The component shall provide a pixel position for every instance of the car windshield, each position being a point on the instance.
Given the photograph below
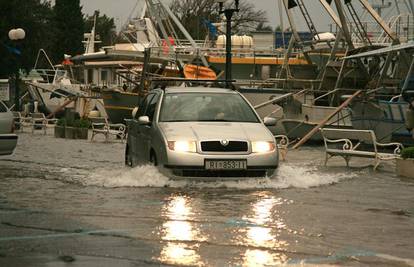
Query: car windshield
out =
(206, 107)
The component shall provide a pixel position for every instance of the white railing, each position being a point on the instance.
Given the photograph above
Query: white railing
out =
(401, 24)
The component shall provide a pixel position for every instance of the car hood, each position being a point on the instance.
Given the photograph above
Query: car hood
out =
(199, 131)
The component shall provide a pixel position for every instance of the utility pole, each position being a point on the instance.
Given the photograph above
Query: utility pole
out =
(228, 13)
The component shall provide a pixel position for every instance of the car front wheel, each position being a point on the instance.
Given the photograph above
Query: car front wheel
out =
(153, 159)
(128, 160)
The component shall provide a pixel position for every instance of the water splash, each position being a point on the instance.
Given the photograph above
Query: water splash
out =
(142, 176)
(147, 176)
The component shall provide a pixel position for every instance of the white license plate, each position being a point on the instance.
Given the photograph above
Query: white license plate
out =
(226, 164)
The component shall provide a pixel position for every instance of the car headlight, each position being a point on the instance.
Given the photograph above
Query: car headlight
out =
(182, 146)
(261, 147)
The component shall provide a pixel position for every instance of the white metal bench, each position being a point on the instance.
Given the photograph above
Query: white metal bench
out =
(20, 122)
(348, 143)
(101, 125)
(39, 121)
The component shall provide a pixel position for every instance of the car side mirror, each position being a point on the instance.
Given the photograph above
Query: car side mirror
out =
(144, 120)
(268, 121)
(134, 112)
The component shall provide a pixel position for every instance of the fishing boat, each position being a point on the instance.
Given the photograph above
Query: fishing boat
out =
(386, 118)
(300, 118)
(386, 110)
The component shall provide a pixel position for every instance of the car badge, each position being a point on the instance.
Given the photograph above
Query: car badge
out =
(224, 142)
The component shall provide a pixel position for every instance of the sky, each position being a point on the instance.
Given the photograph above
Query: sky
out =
(121, 10)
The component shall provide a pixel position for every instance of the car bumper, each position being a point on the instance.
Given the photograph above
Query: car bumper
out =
(8, 143)
(192, 165)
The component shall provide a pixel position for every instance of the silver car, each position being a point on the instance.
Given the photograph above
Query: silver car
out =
(8, 140)
(200, 132)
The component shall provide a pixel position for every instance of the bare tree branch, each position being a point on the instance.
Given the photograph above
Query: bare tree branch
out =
(191, 13)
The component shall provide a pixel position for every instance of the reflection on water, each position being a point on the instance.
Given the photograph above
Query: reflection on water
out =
(178, 208)
(180, 254)
(263, 232)
(257, 257)
(178, 227)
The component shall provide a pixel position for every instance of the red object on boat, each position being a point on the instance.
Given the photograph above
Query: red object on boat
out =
(165, 45)
(67, 61)
(199, 72)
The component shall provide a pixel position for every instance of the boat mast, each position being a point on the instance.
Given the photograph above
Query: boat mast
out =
(410, 5)
(90, 38)
(152, 5)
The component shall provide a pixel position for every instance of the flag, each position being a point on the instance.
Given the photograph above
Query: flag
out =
(212, 29)
(13, 50)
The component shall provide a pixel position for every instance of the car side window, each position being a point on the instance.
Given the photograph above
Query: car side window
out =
(150, 112)
(3, 107)
(145, 104)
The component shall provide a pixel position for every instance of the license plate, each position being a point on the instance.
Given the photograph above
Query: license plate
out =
(226, 164)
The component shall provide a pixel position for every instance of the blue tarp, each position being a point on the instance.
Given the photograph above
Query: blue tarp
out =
(279, 42)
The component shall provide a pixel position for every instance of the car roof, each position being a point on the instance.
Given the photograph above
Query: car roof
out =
(198, 89)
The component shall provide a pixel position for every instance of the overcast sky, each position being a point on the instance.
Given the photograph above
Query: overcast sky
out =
(121, 10)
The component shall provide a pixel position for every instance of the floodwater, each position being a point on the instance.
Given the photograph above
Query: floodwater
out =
(73, 203)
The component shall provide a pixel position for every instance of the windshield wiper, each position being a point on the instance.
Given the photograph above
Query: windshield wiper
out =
(177, 121)
(215, 120)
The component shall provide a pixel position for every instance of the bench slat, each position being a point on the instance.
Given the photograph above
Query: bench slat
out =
(367, 136)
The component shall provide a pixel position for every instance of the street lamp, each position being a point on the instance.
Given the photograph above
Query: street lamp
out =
(228, 13)
(16, 35)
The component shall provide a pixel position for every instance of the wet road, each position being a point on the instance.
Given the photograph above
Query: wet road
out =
(73, 203)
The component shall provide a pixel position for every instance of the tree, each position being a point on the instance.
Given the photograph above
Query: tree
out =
(34, 16)
(194, 13)
(262, 27)
(248, 18)
(105, 28)
(69, 29)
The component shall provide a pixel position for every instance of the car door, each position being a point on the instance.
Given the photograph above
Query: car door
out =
(137, 148)
(8, 140)
(6, 119)
(148, 132)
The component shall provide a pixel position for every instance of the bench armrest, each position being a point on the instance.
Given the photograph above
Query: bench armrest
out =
(346, 146)
(282, 141)
(117, 126)
(398, 146)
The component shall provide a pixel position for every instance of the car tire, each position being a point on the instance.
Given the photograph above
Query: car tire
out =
(128, 160)
(271, 173)
(153, 158)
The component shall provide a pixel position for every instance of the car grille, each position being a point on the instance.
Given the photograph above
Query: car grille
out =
(216, 146)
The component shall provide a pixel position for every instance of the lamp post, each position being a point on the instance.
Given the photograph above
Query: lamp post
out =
(228, 13)
(16, 35)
